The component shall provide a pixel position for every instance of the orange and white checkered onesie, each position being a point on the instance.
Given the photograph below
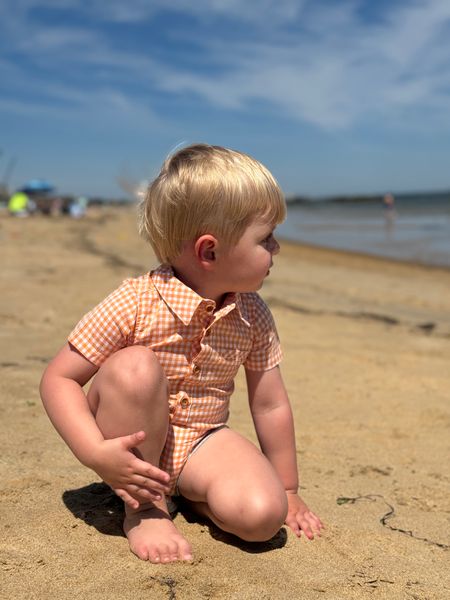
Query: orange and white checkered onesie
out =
(200, 350)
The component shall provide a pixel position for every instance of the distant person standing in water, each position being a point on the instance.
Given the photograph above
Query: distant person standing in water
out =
(390, 213)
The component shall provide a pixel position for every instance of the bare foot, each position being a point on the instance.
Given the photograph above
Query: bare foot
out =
(153, 536)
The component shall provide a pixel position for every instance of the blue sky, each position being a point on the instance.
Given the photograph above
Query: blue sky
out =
(334, 96)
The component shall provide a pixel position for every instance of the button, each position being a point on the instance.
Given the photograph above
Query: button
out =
(210, 308)
(184, 402)
(195, 369)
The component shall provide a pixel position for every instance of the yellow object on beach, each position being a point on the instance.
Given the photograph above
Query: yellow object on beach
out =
(18, 203)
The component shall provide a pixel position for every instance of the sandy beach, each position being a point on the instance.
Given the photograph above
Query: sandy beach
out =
(366, 362)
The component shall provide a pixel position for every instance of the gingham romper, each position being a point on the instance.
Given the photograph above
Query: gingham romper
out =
(199, 350)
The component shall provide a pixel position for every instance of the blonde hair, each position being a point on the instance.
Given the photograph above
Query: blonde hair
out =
(207, 189)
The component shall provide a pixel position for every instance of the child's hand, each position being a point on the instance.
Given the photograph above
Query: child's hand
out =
(132, 479)
(300, 518)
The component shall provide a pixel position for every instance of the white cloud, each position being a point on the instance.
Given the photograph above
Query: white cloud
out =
(49, 40)
(347, 70)
(255, 11)
(332, 69)
(268, 12)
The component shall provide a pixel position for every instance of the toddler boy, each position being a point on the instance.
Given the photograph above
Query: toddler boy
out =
(164, 349)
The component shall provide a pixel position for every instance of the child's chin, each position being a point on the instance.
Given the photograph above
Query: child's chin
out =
(253, 288)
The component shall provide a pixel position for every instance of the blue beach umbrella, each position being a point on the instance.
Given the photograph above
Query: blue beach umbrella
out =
(37, 185)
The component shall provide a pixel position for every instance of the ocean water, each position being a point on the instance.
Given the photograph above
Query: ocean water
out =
(418, 230)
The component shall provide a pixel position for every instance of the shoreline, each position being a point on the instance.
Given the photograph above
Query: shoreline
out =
(102, 214)
(380, 259)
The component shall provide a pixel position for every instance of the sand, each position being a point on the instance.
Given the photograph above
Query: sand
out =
(367, 349)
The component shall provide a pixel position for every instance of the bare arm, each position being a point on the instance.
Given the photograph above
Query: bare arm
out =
(274, 424)
(66, 403)
(133, 479)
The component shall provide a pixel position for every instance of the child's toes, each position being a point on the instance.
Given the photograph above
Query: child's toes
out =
(167, 551)
(141, 551)
(154, 556)
(185, 550)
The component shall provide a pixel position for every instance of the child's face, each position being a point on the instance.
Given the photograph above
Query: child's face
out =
(245, 265)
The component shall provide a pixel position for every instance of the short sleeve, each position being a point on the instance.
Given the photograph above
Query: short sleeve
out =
(266, 350)
(109, 326)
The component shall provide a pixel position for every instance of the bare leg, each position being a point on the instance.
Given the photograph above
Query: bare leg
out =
(230, 481)
(129, 394)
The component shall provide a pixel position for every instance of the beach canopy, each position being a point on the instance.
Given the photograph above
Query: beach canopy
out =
(37, 185)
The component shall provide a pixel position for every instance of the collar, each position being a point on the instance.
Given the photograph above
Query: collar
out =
(184, 302)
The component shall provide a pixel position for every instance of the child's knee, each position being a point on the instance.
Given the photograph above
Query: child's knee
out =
(135, 372)
(258, 517)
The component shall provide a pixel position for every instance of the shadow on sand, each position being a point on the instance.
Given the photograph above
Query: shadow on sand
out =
(99, 507)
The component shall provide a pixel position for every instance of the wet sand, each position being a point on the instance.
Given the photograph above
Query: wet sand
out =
(367, 348)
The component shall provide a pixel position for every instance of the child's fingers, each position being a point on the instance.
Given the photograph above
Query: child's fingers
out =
(149, 471)
(134, 495)
(309, 524)
(125, 496)
(318, 521)
(133, 440)
(315, 521)
(144, 494)
(302, 521)
(149, 484)
(291, 522)
(306, 529)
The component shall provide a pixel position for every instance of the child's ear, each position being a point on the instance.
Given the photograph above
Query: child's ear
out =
(205, 249)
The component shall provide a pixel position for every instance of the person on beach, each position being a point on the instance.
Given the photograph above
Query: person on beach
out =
(164, 349)
(390, 214)
(19, 204)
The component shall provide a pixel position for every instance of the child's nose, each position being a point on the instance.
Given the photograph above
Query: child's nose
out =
(275, 246)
